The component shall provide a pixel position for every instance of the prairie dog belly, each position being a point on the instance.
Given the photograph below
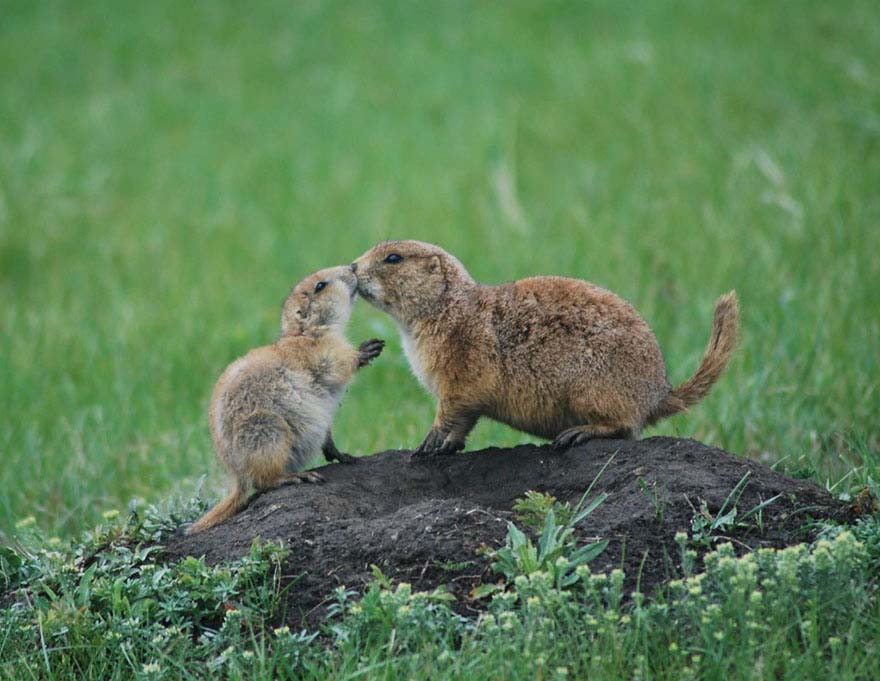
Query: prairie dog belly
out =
(280, 390)
(532, 407)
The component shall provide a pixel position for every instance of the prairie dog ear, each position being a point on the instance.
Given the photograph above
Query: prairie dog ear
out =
(434, 264)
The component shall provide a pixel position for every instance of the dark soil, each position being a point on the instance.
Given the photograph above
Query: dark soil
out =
(423, 521)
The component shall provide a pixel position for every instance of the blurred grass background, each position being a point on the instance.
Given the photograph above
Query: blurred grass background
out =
(169, 170)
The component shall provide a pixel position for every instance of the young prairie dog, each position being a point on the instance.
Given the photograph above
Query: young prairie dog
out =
(272, 409)
(555, 357)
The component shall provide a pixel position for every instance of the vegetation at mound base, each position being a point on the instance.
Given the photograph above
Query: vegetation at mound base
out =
(106, 606)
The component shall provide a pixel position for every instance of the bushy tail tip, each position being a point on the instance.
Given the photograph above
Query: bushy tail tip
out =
(722, 343)
(225, 509)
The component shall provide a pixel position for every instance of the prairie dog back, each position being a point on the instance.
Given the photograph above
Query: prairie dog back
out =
(554, 337)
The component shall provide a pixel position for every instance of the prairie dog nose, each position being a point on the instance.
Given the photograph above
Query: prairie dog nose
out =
(354, 267)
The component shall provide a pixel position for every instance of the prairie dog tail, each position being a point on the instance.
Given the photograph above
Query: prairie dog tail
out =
(226, 508)
(259, 456)
(721, 346)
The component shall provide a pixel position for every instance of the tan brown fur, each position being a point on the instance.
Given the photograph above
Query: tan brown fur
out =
(271, 410)
(555, 357)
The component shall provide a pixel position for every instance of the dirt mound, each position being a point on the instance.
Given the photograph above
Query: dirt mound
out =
(422, 521)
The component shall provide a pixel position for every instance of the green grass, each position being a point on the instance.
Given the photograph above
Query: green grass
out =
(169, 170)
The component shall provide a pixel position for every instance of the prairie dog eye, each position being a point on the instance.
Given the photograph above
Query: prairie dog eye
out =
(320, 286)
(393, 258)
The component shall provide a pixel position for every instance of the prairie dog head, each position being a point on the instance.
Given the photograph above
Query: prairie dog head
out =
(409, 279)
(320, 302)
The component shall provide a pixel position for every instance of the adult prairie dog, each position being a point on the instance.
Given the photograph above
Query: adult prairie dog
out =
(271, 410)
(558, 358)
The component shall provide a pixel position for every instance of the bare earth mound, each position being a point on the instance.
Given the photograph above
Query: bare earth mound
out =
(422, 521)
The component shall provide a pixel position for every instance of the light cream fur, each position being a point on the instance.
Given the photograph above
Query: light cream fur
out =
(271, 411)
